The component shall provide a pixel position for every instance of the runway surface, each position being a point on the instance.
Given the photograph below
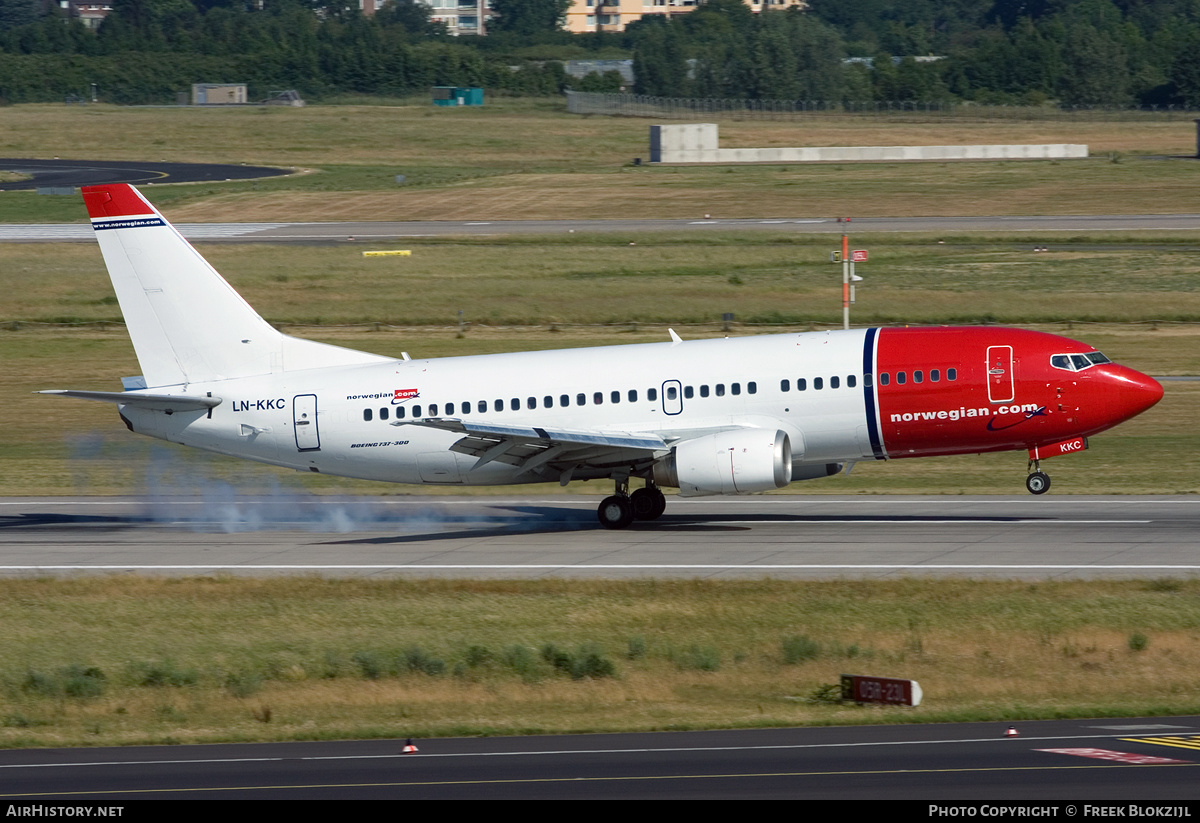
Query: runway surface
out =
(382, 231)
(790, 536)
(1088, 761)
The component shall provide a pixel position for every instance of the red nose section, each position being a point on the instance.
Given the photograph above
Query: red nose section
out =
(1130, 392)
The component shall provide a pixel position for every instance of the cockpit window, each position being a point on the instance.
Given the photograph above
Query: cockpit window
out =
(1077, 362)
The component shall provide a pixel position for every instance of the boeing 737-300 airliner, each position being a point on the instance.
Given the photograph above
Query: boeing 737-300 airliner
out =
(731, 416)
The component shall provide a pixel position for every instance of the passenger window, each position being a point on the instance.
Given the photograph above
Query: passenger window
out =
(720, 390)
(547, 402)
(785, 385)
(818, 383)
(449, 409)
(598, 398)
(433, 409)
(688, 392)
(867, 380)
(615, 396)
(633, 395)
(515, 403)
(735, 388)
(531, 402)
(901, 378)
(652, 395)
(918, 376)
(416, 411)
(935, 376)
(498, 405)
(399, 412)
(851, 382)
(672, 393)
(564, 400)
(367, 415)
(834, 382)
(581, 399)
(383, 413)
(951, 374)
(752, 387)
(801, 384)
(884, 378)
(704, 391)
(482, 406)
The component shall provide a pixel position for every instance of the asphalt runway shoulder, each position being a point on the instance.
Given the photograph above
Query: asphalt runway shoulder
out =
(783, 536)
(1097, 761)
(76, 173)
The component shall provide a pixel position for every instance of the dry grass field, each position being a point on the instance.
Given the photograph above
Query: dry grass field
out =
(229, 659)
(521, 159)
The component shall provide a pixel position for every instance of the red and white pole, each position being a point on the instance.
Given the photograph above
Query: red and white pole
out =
(845, 281)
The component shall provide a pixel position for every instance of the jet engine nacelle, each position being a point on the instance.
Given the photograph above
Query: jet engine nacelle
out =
(733, 462)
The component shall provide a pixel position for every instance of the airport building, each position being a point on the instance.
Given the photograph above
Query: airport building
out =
(615, 15)
(471, 16)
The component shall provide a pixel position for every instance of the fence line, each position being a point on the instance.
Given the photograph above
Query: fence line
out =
(676, 108)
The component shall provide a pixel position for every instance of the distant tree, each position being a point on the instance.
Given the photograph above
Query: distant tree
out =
(412, 15)
(1185, 74)
(659, 65)
(15, 13)
(527, 17)
(1095, 69)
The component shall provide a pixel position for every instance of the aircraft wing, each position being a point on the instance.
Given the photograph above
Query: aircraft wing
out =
(546, 450)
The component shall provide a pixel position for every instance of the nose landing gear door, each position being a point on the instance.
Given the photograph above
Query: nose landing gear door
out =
(1000, 373)
(304, 422)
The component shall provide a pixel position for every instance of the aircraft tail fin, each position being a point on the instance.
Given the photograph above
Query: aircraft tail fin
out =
(187, 323)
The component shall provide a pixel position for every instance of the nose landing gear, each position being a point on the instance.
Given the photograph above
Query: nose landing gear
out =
(1038, 482)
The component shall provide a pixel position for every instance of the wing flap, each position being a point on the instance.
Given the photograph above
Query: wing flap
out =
(542, 450)
(537, 434)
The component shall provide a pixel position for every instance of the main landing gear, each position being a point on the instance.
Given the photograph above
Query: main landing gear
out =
(622, 508)
(1038, 482)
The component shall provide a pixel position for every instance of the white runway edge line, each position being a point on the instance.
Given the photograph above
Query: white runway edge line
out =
(562, 752)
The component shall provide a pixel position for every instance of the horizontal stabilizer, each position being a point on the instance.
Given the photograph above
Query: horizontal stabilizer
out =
(150, 402)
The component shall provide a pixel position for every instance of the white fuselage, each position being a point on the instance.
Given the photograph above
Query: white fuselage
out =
(346, 420)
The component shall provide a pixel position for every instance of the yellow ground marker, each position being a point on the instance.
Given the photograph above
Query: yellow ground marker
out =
(1190, 742)
(396, 253)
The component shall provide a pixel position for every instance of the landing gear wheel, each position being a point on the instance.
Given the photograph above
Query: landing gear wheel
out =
(648, 503)
(1038, 483)
(615, 512)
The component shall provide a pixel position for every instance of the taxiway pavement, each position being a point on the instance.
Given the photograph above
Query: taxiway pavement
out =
(368, 232)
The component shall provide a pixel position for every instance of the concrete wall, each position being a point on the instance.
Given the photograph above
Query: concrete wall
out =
(697, 143)
(689, 140)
